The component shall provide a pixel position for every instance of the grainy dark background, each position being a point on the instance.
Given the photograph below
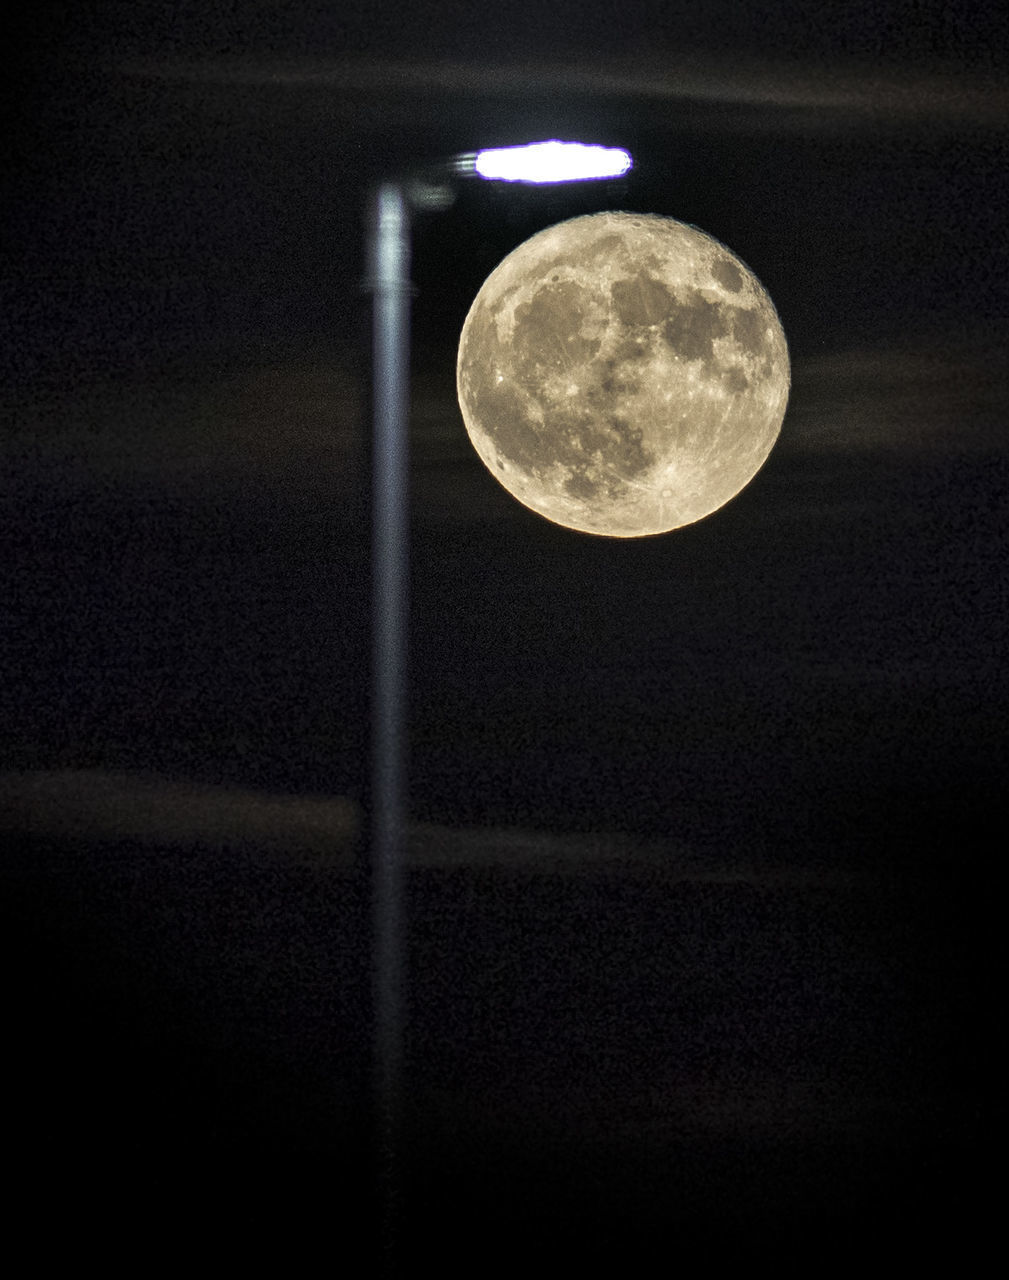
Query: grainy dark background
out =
(801, 699)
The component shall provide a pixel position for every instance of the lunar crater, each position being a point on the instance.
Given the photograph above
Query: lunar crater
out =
(622, 375)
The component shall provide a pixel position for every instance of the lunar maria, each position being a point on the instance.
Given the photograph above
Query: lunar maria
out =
(623, 374)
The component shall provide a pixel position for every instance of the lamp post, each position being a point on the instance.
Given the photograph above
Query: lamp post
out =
(392, 203)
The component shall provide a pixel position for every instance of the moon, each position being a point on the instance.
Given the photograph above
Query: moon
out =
(622, 374)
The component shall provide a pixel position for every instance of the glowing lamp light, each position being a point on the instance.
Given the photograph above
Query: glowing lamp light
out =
(552, 162)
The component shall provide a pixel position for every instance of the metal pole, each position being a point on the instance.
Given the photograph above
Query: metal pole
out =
(389, 268)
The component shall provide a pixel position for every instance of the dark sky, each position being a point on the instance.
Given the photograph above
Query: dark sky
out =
(810, 679)
(187, 342)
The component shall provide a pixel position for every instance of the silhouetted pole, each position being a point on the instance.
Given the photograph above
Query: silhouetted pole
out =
(389, 281)
(389, 270)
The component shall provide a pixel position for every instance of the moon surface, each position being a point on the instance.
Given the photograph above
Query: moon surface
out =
(623, 374)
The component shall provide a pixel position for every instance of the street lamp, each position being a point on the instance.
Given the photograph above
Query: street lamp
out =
(392, 202)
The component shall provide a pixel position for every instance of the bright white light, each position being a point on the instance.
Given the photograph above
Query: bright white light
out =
(552, 162)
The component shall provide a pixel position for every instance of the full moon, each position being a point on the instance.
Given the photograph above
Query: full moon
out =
(623, 374)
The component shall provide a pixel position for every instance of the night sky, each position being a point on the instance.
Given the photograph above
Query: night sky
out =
(705, 824)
